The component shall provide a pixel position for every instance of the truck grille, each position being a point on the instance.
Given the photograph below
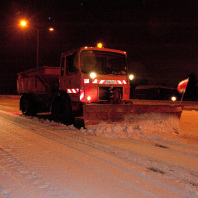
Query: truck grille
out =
(106, 93)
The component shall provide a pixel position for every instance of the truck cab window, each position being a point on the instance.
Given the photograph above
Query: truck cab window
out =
(103, 62)
(71, 62)
(62, 65)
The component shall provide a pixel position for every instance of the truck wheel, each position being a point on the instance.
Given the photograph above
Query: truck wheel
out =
(62, 111)
(27, 107)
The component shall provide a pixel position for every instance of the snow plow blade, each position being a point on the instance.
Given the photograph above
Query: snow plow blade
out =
(163, 118)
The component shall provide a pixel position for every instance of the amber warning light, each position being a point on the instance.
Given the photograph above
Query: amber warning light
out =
(99, 45)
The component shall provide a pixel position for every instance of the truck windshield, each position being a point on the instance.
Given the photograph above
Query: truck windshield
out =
(103, 62)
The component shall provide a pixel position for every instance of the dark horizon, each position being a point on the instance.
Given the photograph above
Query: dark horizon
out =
(160, 37)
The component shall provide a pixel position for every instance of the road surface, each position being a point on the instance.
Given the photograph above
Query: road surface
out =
(41, 158)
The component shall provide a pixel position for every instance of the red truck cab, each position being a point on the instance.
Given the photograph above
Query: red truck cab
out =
(92, 74)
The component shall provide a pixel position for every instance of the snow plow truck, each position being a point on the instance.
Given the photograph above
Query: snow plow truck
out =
(92, 82)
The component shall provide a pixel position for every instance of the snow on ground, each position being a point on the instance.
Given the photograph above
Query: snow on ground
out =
(42, 158)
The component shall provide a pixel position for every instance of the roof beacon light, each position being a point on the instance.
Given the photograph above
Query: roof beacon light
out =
(99, 45)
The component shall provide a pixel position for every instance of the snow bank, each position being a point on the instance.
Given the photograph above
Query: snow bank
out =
(137, 126)
(134, 127)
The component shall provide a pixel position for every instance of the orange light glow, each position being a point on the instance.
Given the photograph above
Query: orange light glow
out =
(23, 23)
(89, 98)
(99, 45)
(51, 29)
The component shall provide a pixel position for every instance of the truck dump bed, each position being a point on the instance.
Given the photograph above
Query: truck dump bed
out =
(44, 81)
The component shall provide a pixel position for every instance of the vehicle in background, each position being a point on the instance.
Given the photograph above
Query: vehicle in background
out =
(155, 92)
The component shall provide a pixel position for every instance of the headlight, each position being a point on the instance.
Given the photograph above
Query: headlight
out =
(131, 77)
(92, 75)
(173, 98)
(88, 98)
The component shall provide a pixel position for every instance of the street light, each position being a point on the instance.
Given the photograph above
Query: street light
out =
(23, 23)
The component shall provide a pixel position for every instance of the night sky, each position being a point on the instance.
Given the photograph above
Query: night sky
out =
(160, 37)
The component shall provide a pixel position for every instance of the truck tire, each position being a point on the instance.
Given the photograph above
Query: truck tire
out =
(27, 106)
(62, 111)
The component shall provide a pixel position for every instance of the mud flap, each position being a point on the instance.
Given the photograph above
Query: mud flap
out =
(149, 117)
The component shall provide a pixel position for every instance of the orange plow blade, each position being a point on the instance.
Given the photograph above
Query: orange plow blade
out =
(147, 117)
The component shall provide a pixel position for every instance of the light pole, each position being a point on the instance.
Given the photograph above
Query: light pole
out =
(23, 24)
(37, 45)
(37, 50)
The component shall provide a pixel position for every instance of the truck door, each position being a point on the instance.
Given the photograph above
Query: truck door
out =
(70, 76)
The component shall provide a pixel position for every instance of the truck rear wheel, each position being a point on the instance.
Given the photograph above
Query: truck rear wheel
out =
(27, 106)
(62, 111)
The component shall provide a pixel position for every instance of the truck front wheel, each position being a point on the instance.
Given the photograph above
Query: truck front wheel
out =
(62, 111)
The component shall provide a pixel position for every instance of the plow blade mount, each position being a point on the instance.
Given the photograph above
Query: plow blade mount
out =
(146, 117)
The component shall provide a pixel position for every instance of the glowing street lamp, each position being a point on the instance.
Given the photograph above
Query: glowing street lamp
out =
(23, 23)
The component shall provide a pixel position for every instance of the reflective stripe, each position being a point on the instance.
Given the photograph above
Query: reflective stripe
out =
(124, 82)
(120, 82)
(95, 81)
(82, 95)
(86, 81)
(102, 81)
(72, 90)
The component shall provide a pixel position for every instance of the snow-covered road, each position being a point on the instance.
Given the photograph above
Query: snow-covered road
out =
(39, 158)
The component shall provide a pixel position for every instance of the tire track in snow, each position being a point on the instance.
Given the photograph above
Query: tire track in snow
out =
(173, 170)
(85, 141)
(158, 183)
(30, 121)
(104, 146)
(27, 180)
(147, 194)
